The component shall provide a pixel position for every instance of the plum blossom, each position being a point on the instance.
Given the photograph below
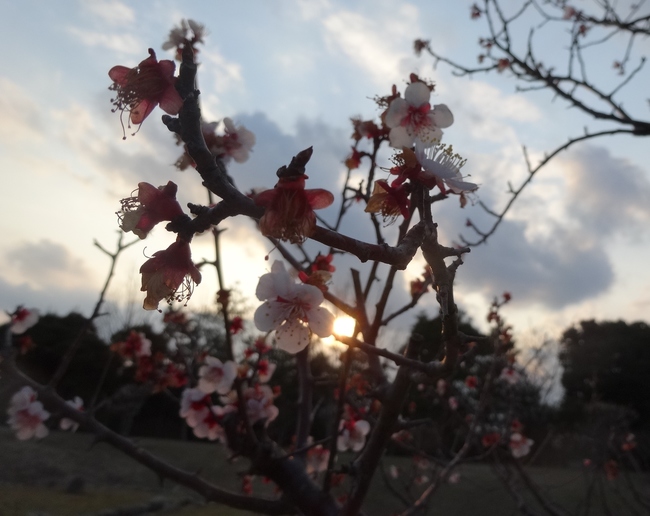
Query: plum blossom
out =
(317, 459)
(265, 370)
(209, 427)
(152, 205)
(289, 207)
(140, 89)
(194, 406)
(442, 167)
(259, 404)
(390, 202)
(216, 376)
(136, 345)
(237, 142)
(68, 424)
(411, 117)
(352, 434)
(292, 310)
(167, 272)
(510, 375)
(23, 319)
(26, 415)
(520, 445)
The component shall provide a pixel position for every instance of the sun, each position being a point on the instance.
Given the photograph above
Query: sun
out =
(344, 325)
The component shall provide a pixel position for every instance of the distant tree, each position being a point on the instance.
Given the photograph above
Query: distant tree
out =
(608, 362)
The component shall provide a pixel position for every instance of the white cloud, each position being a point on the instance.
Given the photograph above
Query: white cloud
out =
(124, 43)
(21, 115)
(111, 12)
(377, 45)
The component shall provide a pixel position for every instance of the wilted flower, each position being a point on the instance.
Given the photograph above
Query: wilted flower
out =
(293, 310)
(151, 206)
(140, 89)
(289, 213)
(411, 117)
(167, 272)
(390, 202)
(216, 376)
(26, 415)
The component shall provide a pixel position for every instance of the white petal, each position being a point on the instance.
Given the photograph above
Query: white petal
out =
(308, 294)
(320, 321)
(276, 283)
(429, 134)
(270, 314)
(292, 336)
(438, 170)
(458, 186)
(400, 137)
(362, 426)
(442, 115)
(397, 110)
(417, 94)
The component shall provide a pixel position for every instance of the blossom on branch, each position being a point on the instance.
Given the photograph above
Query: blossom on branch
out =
(26, 415)
(23, 319)
(216, 376)
(289, 213)
(140, 89)
(352, 434)
(292, 310)
(152, 205)
(442, 167)
(390, 202)
(520, 445)
(135, 346)
(411, 117)
(167, 272)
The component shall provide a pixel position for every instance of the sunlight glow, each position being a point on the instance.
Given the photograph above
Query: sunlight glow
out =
(344, 325)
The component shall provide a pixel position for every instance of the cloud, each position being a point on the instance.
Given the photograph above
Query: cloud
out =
(45, 263)
(21, 116)
(378, 43)
(124, 43)
(110, 12)
(606, 194)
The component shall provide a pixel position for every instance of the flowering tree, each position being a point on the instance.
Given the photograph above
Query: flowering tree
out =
(226, 393)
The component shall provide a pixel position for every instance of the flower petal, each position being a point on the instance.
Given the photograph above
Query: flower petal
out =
(270, 314)
(293, 336)
(442, 115)
(400, 137)
(320, 321)
(417, 94)
(397, 110)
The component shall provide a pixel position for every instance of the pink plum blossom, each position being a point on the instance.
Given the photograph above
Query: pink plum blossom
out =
(26, 415)
(292, 310)
(259, 404)
(194, 406)
(411, 117)
(216, 376)
(352, 435)
(209, 427)
(68, 424)
(237, 142)
(23, 319)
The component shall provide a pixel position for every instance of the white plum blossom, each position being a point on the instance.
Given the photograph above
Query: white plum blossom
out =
(293, 310)
(520, 445)
(265, 370)
(26, 415)
(193, 406)
(68, 424)
(240, 141)
(411, 117)
(443, 165)
(352, 435)
(23, 319)
(216, 376)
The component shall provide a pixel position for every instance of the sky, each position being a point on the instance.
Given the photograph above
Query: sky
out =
(575, 246)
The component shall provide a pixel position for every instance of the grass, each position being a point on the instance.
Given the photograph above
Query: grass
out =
(34, 476)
